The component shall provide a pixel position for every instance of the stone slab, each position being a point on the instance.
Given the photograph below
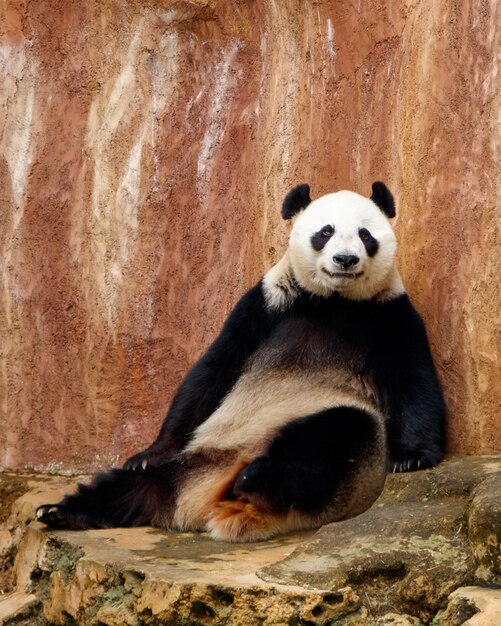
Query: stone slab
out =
(15, 605)
(396, 564)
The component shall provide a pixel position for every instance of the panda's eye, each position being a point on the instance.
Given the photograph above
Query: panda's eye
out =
(327, 231)
(364, 234)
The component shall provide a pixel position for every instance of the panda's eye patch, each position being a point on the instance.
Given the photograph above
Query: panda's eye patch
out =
(364, 234)
(371, 244)
(321, 237)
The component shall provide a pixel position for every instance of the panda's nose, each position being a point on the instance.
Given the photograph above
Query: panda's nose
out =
(346, 260)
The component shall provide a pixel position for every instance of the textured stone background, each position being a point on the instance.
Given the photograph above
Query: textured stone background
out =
(145, 148)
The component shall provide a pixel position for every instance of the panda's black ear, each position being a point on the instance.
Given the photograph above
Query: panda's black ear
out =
(382, 196)
(296, 200)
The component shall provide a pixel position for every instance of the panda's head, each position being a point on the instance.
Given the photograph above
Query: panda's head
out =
(342, 242)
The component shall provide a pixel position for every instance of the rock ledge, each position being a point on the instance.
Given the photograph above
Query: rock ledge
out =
(428, 551)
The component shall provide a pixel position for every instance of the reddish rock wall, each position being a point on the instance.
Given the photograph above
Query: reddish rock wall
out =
(145, 150)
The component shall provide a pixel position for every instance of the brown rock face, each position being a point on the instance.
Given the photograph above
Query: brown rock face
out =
(145, 148)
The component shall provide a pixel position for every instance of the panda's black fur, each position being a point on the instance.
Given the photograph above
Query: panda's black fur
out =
(351, 388)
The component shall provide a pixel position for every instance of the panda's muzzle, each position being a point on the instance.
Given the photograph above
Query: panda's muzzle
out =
(345, 260)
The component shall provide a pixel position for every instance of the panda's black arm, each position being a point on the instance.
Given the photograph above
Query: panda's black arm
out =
(210, 379)
(409, 389)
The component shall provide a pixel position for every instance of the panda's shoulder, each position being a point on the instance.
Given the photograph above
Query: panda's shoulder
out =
(400, 310)
(400, 329)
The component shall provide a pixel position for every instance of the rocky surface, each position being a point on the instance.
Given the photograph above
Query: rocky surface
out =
(145, 148)
(428, 534)
(425, 553)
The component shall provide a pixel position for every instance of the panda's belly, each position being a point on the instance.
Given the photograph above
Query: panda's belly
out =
(295, 374)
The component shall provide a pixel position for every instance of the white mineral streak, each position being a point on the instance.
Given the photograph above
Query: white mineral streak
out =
(282, 70)
(17, 145)
(164, 76)
(18, 73)
(17, 99)
(328, 47)
(330, 44)
(113, 225)
(285, 88)
(217, 120)
(116, 187)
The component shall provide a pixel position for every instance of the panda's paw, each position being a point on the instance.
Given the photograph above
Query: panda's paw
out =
(256, 478)
(137, 462)
(52, 515)
(413, 461)
(58, 516)
(146, 459)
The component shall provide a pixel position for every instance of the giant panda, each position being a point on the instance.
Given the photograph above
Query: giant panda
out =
(320, 381)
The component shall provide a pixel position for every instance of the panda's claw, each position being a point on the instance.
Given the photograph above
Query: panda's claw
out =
(413, 461)
(51, 515)
(134, 465)
(405, 465)
(146, 460)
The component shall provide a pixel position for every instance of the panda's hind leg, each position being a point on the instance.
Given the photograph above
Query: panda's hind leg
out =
(118, 498)
(301, 480)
